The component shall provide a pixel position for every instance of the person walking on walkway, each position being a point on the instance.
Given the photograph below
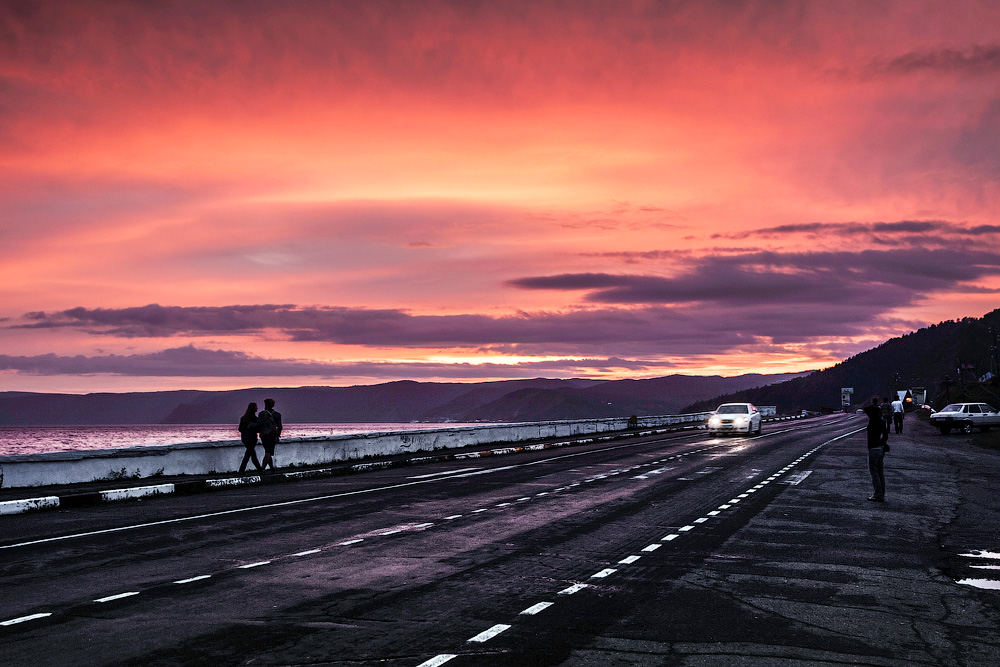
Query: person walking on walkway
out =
(269, 427)
(886, 413)
(897, 415)
(878, 444)
(248, 434)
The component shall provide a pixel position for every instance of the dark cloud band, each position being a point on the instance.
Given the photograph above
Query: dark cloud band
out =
(191, 361)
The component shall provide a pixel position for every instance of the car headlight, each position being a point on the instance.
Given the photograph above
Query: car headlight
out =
(741, 421)
(714, 421)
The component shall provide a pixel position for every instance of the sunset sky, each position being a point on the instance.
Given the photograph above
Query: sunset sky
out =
(212, 195)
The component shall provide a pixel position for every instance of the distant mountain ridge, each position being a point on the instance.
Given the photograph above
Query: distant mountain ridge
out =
(930, 357)
(538, 399)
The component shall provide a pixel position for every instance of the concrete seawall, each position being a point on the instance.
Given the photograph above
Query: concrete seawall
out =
(32, 470)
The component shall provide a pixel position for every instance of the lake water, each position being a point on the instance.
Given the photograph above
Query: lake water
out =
(39, 439)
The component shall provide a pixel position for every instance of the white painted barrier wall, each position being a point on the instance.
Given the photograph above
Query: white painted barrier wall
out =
(30, 470)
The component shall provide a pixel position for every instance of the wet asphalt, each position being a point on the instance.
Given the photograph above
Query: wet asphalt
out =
(798, 569)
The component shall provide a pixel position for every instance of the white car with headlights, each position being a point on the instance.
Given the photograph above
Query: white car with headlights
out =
(734, 418)
(964, 417)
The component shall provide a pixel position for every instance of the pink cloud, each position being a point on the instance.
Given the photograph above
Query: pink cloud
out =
(397, 167)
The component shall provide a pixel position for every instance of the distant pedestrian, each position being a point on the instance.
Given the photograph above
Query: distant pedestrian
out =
(886, 413)
(897, 415)
(878, 444)
(248, 434)
(269, 427)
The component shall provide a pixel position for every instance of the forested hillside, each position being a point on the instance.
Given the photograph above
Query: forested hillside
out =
(944, 358)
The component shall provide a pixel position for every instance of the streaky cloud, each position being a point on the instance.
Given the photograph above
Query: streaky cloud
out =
(191, 361)
(975, 60)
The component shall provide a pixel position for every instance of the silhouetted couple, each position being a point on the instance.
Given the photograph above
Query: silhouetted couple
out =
(878, 444)
(266, 424)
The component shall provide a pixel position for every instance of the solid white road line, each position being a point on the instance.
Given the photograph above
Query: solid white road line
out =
(254, 479)
(446, 472)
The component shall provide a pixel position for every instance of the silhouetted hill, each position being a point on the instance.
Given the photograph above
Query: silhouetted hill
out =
(538, 399)
(654, 396)
(929, 357)
(527, 405)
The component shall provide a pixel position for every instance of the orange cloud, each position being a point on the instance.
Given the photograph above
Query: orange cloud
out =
(424, 157)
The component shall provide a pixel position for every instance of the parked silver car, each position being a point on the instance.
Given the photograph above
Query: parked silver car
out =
(735, 418)
(964, 417)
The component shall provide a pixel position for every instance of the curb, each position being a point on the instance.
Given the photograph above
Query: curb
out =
(91, 498)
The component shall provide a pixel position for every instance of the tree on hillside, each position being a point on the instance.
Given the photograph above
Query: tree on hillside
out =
(959, 350)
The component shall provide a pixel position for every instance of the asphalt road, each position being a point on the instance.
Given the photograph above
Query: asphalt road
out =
(677, 549)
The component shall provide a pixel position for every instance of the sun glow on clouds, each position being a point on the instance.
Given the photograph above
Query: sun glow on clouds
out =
(451, 190)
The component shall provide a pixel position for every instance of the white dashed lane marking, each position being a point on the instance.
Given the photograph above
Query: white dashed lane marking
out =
(438, 660)
(489, 634)
(252, 565)
(575, 588)
(193, 579)
(535, 608)
(112, 598)
(24, 619)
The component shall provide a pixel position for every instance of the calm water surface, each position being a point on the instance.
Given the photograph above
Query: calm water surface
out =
(39, 439)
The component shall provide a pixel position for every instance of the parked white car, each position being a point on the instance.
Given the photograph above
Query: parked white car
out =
(735, 418)
(964, 417)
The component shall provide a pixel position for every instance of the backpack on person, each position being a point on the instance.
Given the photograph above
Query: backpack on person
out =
(266, 426)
